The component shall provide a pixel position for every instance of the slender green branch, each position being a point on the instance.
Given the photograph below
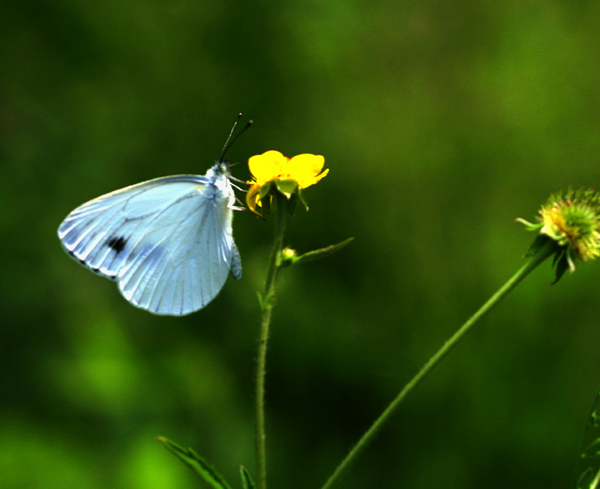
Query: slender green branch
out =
(267, 303)
(261, 459)
(533, 262)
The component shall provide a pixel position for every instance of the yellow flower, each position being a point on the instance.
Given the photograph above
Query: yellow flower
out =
(272, 171)
(571, 220)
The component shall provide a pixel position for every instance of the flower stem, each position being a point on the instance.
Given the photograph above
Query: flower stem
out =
(267, 302)
(533, 262)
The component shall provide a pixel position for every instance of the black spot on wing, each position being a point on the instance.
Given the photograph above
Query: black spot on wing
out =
(95, 270)
(117, 244)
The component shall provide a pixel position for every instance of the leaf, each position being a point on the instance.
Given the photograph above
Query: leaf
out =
(588, 480)
(195, 462)
(593, 449)
(562, 265)
(247, 481)
(589, 460)
(302, 199)
(291, 203)
(538, 243)
(261, 301)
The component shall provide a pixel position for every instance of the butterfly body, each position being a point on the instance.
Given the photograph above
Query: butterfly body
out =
(166, 242)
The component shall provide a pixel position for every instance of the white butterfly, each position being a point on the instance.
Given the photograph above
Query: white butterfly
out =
(166, 242)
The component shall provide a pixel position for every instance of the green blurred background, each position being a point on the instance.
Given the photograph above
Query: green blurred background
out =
(441, 122)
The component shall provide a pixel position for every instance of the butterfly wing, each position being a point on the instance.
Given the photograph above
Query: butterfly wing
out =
(166, 242)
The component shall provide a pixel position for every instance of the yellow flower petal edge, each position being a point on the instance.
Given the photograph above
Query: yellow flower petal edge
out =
(263, 167)
(272, 165)
(304, 169)
(252, 198)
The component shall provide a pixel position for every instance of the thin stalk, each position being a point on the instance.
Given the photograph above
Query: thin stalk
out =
(525, 270)
(267, 303)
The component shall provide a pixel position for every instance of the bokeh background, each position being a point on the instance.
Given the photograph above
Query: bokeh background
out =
(441, 122)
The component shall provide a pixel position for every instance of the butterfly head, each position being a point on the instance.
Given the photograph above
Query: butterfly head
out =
(223, 168)
(219, 171)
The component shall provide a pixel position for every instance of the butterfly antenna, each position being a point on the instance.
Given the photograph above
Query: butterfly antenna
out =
(230, 141)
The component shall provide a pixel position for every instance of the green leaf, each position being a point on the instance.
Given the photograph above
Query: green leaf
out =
(538, 243)
(291, 203)
(593, 449)
(265, 201)
(247, 481)
(261, 301)
(589, 460)
(562, 265)
(535, 227)
(588, 480)
(195, 462)
(301, 197)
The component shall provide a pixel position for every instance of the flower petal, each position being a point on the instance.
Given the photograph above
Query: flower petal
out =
(252, 198)
(305, 169)
(267, 166)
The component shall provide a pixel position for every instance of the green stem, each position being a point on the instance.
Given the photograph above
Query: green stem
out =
(267, 303)
(534, 261)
